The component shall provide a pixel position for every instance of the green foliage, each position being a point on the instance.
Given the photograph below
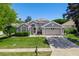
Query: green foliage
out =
(70, 31)
(72, 12)
(7, 15)
(9, 30)
(28, 19)
(60, 21)
(22, 33)
(74, 38)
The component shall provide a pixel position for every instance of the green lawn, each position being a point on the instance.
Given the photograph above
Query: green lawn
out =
(73, 38)
(23, 42)
(24, 54)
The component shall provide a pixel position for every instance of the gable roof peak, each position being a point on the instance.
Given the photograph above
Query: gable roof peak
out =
(52, 23)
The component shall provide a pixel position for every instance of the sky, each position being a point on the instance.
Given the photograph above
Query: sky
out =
(49, 11)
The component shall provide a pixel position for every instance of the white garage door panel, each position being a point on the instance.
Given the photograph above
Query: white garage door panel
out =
(52, 31)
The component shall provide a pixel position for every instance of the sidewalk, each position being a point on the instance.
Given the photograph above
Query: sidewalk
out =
(65, 52)
(25, 50)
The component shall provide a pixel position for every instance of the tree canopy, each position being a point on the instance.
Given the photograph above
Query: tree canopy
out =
(9, 30)
(28, 19)
(7, 15)
(73, 13)
(60, 21)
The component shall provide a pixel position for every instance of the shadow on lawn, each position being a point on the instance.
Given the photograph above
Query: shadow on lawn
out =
(45, 41)
(3, 38)
(73, 40)
(77, 35)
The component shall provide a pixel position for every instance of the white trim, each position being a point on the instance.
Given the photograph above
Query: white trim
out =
(50, 27)
(46, 24)
(29, 22)
(47, 36)
(57, 23)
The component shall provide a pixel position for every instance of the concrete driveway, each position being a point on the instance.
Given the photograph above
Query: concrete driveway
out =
(60, 42)
(62, 47)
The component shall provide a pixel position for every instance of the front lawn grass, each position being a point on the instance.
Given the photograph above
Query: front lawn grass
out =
(72, 37)
(24, 54)
(23, 42)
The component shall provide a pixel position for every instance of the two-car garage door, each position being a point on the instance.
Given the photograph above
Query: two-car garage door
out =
(51, 31)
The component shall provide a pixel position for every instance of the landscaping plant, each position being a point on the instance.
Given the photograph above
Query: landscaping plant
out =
(9, 30)
(22, 33)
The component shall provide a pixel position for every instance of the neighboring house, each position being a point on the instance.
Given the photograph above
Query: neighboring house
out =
(41, 27)
(69, 24)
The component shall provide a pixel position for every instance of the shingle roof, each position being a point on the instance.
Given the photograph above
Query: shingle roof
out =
(70, 22)
(17, 24)
(39, 22)
(52, 24)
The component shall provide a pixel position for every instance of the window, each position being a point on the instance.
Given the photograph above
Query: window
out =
(52, 28)
(23, 28)
(33, 25)
(18, 30)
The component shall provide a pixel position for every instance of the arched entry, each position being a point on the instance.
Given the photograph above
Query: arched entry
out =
(33, 29)
(39, 31)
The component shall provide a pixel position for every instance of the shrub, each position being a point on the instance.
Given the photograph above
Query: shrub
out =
(9, 30)
(70, 31)
(22, 34)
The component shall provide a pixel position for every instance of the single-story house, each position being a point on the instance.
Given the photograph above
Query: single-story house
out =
(69, 24)
(41, 27)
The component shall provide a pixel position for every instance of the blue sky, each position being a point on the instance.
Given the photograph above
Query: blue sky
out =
(40, 10)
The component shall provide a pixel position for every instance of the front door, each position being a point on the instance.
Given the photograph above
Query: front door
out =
(39, 31)
(33, 29)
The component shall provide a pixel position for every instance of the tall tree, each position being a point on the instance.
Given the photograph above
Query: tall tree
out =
(28, 19)
(73, 13)
(7, 15)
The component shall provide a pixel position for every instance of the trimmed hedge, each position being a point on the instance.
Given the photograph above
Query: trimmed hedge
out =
(22, 34)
